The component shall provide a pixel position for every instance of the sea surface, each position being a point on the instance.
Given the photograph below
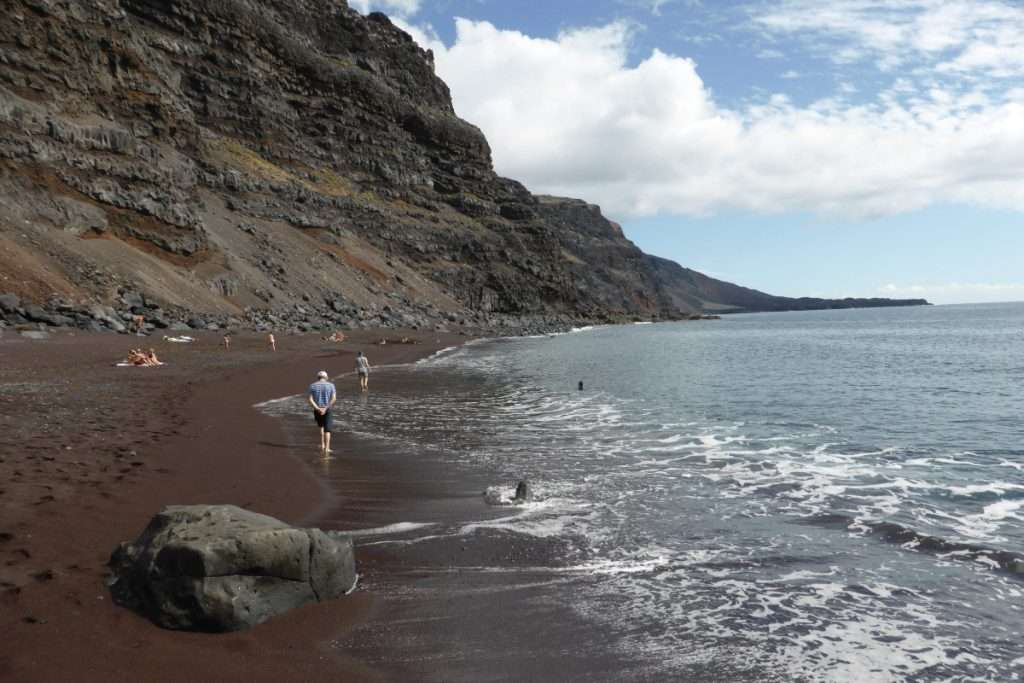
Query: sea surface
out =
(809, 496)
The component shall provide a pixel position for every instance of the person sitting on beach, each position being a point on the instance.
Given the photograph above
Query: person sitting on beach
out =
(272, 341)
(322, 395)
(141, 358)
(336, 336)
(138, 322)
(363, 368)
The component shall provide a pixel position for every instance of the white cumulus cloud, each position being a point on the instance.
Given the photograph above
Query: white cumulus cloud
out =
(571, 115)
(957, 292)
(398, 8)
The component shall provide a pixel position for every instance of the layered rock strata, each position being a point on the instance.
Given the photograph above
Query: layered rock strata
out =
(287, 164)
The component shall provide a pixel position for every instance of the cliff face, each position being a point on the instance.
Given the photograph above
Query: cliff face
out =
(282, 160)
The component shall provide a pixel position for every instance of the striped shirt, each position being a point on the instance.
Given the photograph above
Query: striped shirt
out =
(322, 392)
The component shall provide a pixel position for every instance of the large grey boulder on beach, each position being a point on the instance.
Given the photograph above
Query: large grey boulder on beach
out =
(222, 568)
(9, 303)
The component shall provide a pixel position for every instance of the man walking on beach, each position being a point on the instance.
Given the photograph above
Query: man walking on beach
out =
(322, 396)
(363, 368)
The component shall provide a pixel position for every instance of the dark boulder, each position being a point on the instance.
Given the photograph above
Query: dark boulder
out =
(499, 495)
(38, 315)
(133, 300)
(158, 321)
(9, 303)
(221, 568)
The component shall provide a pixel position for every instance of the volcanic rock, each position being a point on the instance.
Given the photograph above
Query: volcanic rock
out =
(222, 568)
(9, 303)
(499, 495)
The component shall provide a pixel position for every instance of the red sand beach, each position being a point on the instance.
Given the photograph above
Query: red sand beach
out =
(89, 451)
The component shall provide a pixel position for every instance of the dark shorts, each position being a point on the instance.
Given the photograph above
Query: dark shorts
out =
(324, 421)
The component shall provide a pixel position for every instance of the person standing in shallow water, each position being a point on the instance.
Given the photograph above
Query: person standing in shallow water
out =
(363, 368)
(322, 396)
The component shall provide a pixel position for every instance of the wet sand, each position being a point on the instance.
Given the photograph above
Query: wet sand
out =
(88, 452)
(452, 606)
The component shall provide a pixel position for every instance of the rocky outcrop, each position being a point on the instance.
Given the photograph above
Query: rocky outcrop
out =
(222, 568)
(280, 163)
(500, 495)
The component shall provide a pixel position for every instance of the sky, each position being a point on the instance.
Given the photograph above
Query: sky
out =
(800, 147)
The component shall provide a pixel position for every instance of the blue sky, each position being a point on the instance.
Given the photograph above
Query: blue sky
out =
(842, 148)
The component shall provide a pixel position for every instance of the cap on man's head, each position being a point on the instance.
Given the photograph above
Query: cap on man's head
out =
(322, 374)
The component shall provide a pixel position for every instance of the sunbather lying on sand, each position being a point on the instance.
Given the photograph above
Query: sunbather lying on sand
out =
(336, 337)
(139, 357)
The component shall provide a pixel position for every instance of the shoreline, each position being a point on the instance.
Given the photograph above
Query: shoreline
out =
(453, 604)
(90, 452)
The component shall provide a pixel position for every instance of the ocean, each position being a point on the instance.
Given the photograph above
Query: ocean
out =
(807, 496)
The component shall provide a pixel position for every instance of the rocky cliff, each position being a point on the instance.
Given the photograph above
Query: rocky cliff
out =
(282, 162)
